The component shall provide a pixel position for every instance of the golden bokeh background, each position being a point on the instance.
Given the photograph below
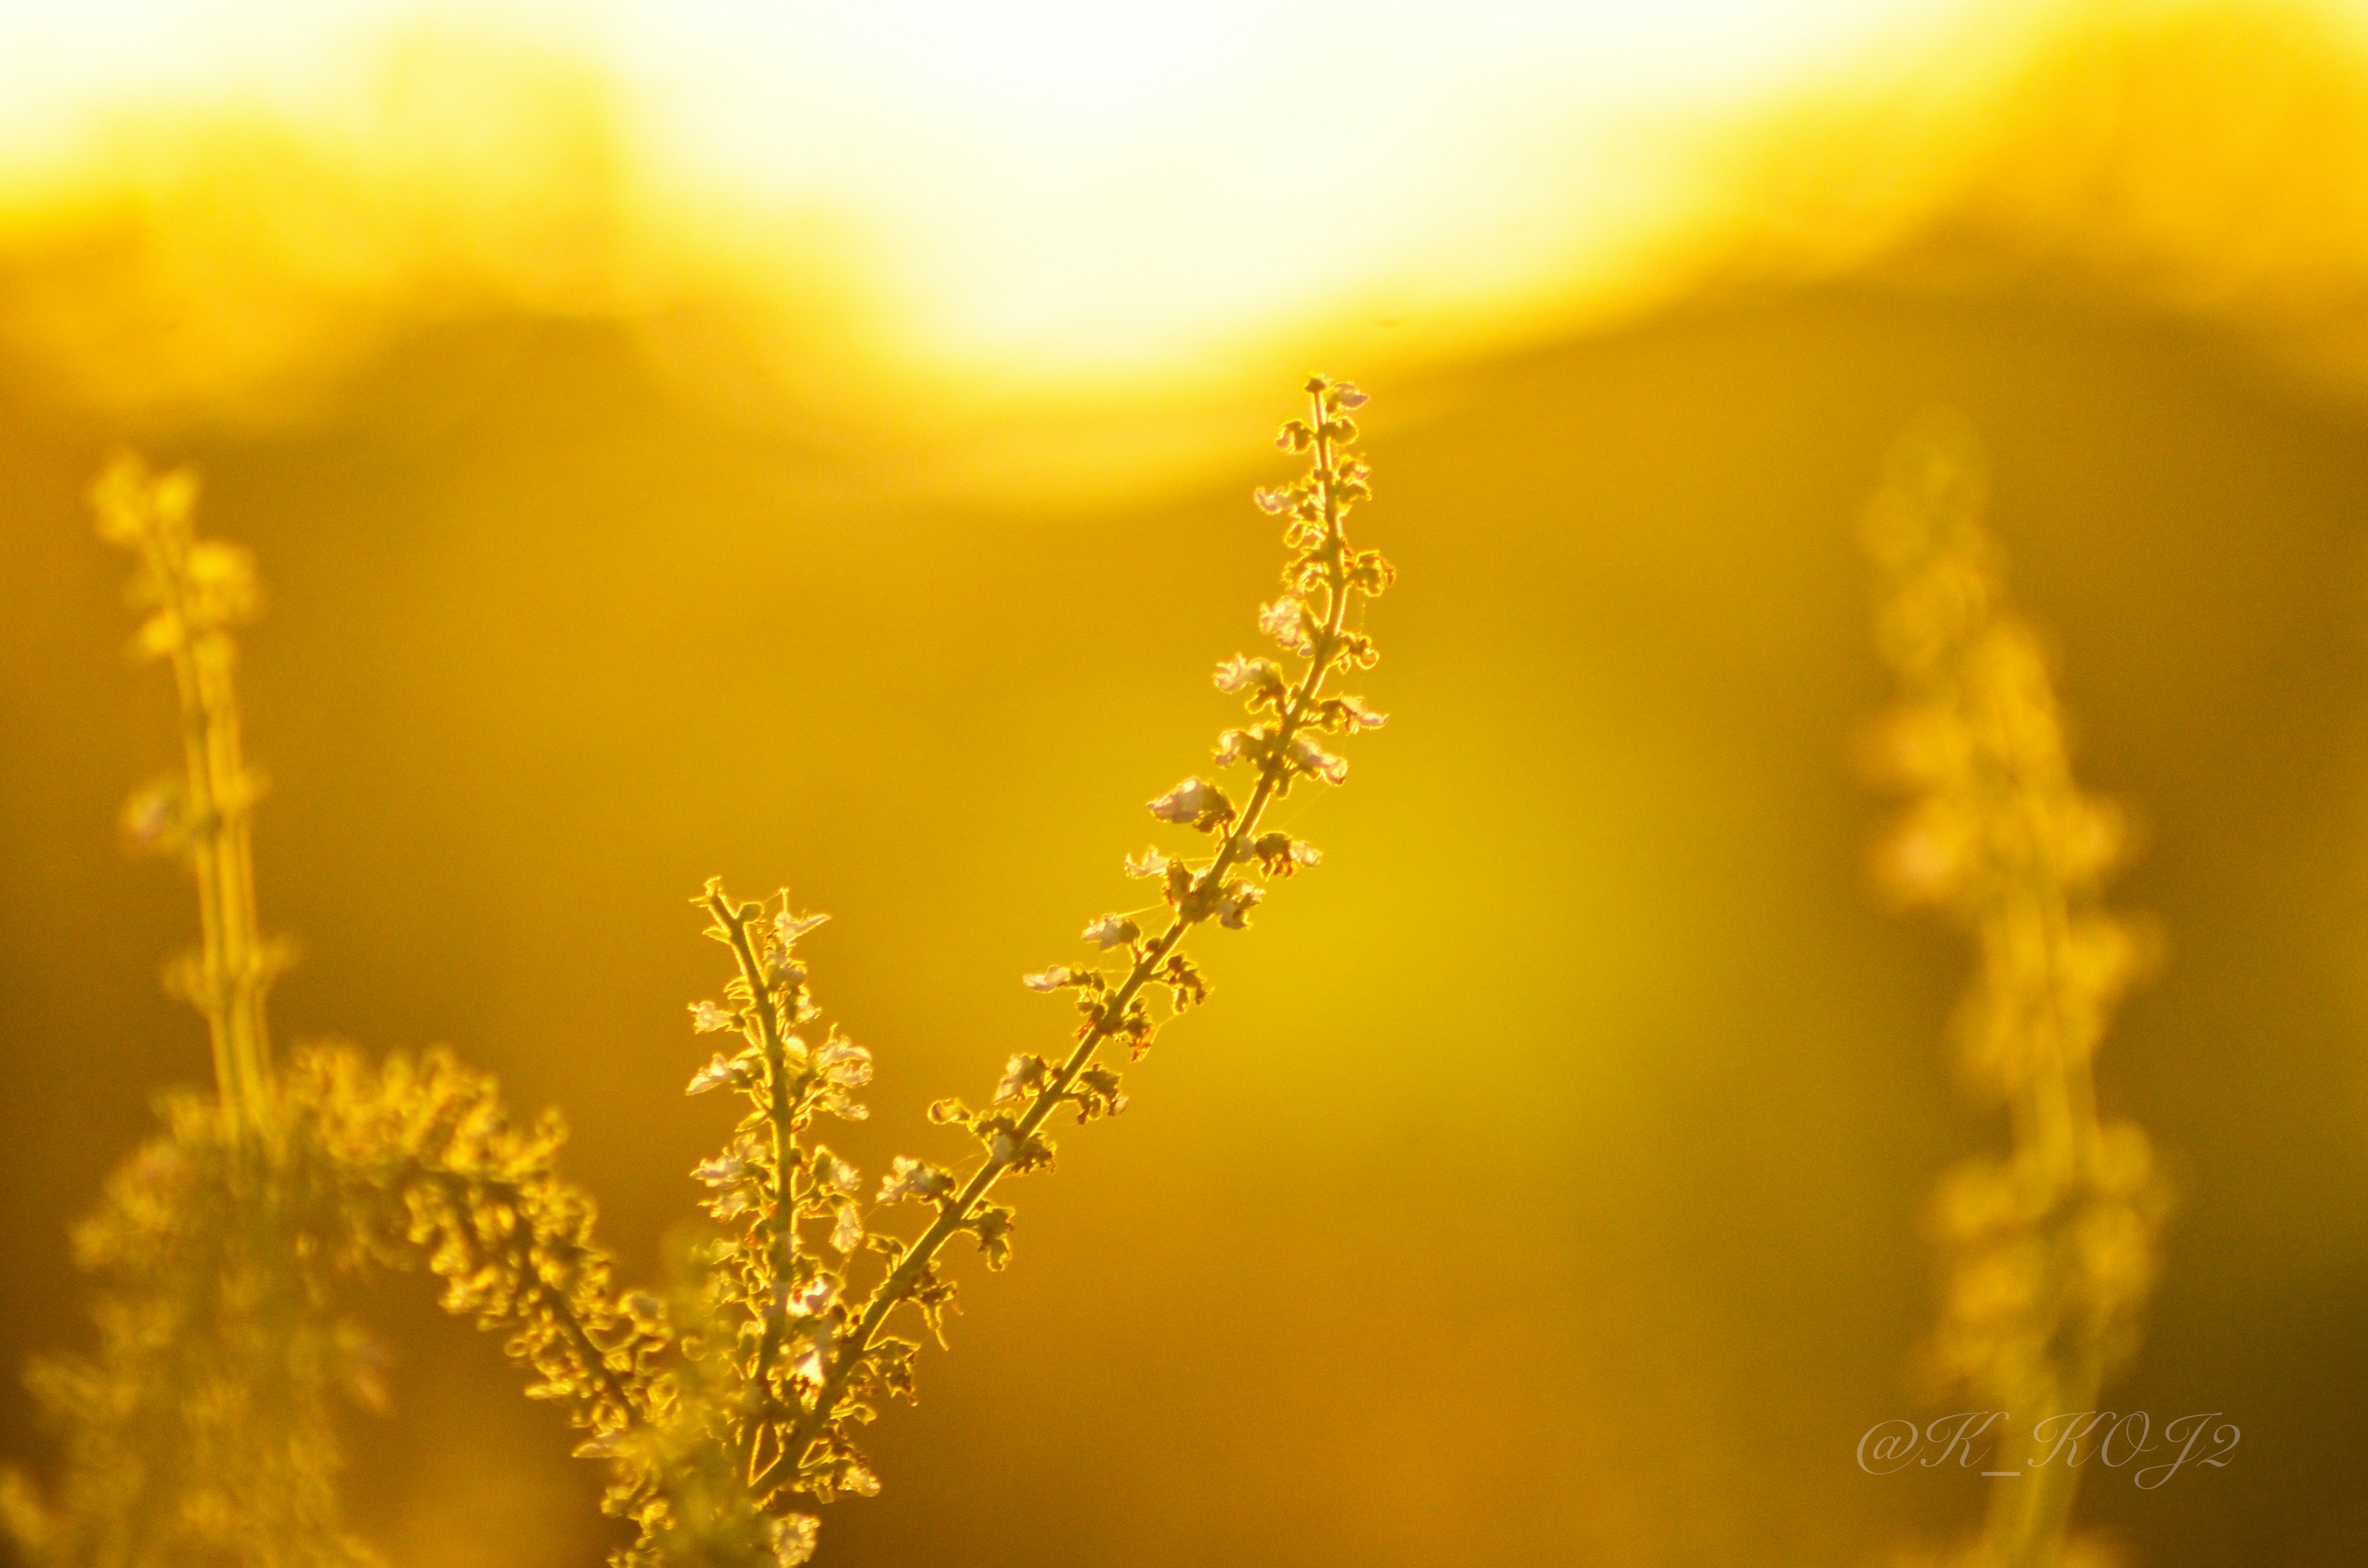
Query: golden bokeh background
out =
(1545, 1183)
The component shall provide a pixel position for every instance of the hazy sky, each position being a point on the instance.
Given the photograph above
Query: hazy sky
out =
(1029, 174)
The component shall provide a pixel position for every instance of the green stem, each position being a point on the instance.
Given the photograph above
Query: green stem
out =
(780, 1110)
(221, 848)
(953, 1217)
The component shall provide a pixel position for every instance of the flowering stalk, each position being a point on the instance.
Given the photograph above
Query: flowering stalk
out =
(768, 1306)
(795, 1423)
(195, 591)
(2052, 1250)
(203, 1428)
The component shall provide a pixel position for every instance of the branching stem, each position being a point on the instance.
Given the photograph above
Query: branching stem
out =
(780, 1109)
(914, 1264)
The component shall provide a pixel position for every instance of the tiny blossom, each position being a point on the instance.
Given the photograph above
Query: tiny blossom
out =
(860, 1479)
(782, 967)
(1021, 1074)
(844, 1062)
(721, 1171)
(847, 1231)
(794, 1539)
(707, 1018)
(1322, 764)
(1234, 905)
(814, 1297)
(1240, 674)
(909, 1177)
(1350, 397)
(1110, 931)
(834, 1171)
(789, 928)
(732, 1203)
(1360, 716)
(1049, 980)
(1285, 620)
(1276, 501)
(1002, 1147)
(1150, 863)
(734, 1072)
(1280, 855)
(837, 1101)
(1189, 801)
(1233, 745)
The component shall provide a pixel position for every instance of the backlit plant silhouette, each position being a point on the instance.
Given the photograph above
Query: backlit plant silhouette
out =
(2051, 1251)
(727, 1409)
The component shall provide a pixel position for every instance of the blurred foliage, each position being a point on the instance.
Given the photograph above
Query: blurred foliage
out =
(2052, 1250)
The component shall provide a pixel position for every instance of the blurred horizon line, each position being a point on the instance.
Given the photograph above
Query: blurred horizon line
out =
(2183, 158)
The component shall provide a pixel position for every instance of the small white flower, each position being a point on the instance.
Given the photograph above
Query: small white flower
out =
(834, 1171)
(1150, 863)
(782, 967)
(1318, 762)
(1002, 1147)
(794, 1537)
(814, 1299)
(920, 1177)
(1234, 905)
(1189, 801)
(721, 1171)
(732, 1071)
(1049, 980)
(1110, 931)
(844, 1062)
(1239, 674)
(1361, 717)
(1023, 1075)
(836, 1101)
(847, 1231)
(789, 928)
(1233, 745)
(858, 1478)
(707, 1018)
(909, 1177)
(725, 1205)
(1350, 396)
(1285, 620)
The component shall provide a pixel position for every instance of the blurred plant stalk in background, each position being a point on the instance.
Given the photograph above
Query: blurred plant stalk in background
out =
(196, 591)
(2052, 1250)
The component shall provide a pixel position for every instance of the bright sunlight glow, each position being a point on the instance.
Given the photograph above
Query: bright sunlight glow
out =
(1071, 183)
